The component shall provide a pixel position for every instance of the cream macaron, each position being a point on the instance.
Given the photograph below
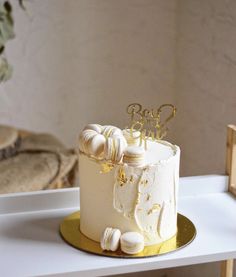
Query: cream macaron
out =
(132, 136)
(84, 140)
(91, 140)
(110, 239)
(110, 131)
(134, 156)
(114, 148)
(95, 127)
(132, 242)
(96, 145)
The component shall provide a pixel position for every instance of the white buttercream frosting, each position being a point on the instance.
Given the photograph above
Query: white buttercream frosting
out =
(140, 199)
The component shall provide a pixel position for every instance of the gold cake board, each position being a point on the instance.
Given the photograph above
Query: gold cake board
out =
(70, 232)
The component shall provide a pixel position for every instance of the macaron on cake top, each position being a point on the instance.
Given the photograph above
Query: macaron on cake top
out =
(132, 242)
(110, 239)
(96, 145)
(102, 142)
(132, 136)
(134, 156)
(95, 127)
(111, 131)
(110, 145)
(85, 139)
(114, 148)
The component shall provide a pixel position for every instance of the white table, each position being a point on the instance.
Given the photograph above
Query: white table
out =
(30, 243)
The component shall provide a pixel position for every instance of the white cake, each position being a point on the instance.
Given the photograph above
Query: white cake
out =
(131, 198)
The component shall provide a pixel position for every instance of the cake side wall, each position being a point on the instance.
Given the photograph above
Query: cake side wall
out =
(96, 201)
(148, 208)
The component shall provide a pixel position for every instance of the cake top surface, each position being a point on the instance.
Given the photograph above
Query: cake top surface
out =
(159, 151)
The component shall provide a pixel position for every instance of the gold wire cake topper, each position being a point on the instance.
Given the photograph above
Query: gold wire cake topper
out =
(150, 122)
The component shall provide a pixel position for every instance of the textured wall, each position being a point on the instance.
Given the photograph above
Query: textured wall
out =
(79, 61)
(83, 61)
(206, 95)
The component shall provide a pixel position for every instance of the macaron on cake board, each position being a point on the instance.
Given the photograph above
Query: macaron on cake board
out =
(129, 185)
(132, 243)
(110, 239)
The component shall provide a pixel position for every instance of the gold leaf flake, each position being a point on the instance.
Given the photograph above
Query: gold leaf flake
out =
(122, 179)
(155, 207)
(144, 182)
(148, 197)
(131, 179)
(106, 167)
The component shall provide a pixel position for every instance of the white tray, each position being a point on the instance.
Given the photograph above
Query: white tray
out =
(30, 243)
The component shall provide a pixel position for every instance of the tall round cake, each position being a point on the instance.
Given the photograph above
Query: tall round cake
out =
(127, 185)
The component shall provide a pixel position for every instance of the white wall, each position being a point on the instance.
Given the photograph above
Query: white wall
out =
(206, 75)
(80, 61)
(206, 93)
(83, 61)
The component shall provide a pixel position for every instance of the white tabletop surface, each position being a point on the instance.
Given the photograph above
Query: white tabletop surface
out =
(30, 243)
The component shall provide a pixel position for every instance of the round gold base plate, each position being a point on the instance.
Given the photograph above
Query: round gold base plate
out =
(70, 232)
